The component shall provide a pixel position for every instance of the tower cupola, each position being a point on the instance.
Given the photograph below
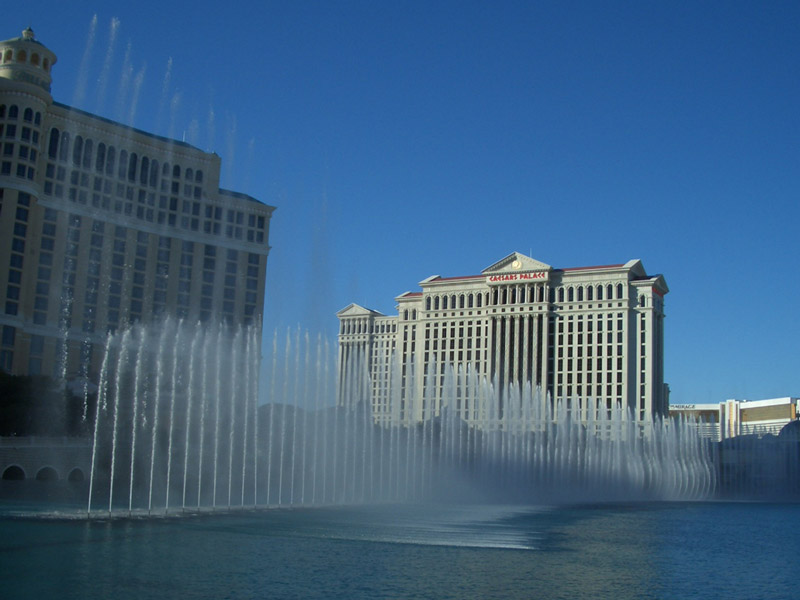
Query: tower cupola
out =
(25, 59)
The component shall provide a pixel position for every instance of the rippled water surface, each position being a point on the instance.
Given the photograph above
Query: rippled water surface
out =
(699, 550)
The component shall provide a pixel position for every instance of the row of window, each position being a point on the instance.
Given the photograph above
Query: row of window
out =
(23, 57)
(11, 113)
(129, 166)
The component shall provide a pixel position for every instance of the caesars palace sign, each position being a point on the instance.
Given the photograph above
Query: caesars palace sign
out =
(507, 277)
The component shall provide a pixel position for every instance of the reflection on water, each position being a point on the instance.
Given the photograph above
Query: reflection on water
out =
(608, 551)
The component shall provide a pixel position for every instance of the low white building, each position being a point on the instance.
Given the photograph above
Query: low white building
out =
(731, 418)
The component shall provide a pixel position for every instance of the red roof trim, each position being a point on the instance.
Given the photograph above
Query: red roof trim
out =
(596, 267)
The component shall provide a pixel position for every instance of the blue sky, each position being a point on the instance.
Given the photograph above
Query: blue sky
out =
(405, 139)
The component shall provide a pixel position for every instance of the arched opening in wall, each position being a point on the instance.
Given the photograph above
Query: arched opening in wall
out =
(88, 149)
(444, 302)
(154, 173)
(132, 163)
(35, 59)
(620, 290)
(100, 163)
(13, 473)
(47, 474)
(77, 151)
(22, 56)
(76, 476)
(27, 115)
(52, 147)
(111, 161)
(144, 171)
(63, 147)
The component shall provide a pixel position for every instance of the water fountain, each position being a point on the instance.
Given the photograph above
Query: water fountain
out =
(178, 428)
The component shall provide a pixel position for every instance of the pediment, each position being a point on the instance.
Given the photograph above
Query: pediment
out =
(356, 310)
(514, 263)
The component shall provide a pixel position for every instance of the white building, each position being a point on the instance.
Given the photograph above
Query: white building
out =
(592, 336)
(722, 420)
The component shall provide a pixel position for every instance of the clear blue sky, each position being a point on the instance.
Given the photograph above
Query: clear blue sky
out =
(405, 139)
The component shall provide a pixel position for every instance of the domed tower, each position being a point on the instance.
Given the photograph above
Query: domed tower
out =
(24, 59)
(25, 66)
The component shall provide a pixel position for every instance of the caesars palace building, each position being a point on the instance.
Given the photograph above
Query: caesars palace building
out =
(103, 225)
(586, 334)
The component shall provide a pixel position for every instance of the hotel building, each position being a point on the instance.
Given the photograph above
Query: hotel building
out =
(723, 420)
(103, 225)
(593, 336)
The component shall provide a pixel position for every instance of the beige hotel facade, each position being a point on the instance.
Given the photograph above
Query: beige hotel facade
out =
(590, 335)
(103, 225)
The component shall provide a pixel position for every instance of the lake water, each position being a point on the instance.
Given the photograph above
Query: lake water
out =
(661, 550)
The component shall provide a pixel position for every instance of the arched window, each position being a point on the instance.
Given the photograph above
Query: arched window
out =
(580, 293)
(63, 148)
(479, 300)
(198, 176)
(609, 292)
(428, 303)
(123, 164)
(37, 118)
(599, 292)
(461, 300)
(28, 115)
(176, 172)
(561, 294)
(414, 314)
(100, 163)
(22, 56)
(7, 56)
(110, 160)
(642, 300)
(405, 314)
(35, 59)
(444, 302)
(52, 148)
(46, 64)
(132, 166)
(620, 290)
(436, 303)
(589, 293)
(453, 301)
(154, 173)
(189, 175)
(165, 170)
(144, 171)
(77, 151)
(470, 301)
(87, 154)
(570, 295)
(13, 111)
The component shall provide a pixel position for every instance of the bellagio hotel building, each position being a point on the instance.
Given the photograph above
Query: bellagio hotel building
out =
(592, 336)
(103, 225)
